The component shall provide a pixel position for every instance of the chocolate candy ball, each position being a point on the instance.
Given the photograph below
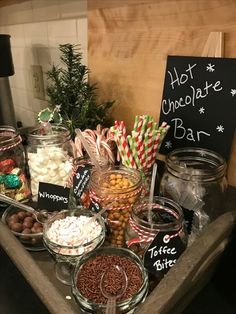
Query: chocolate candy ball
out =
(29, 219)
(13, 218)
(26, 231)
(22, 215)
(17, 227)
(27, 225)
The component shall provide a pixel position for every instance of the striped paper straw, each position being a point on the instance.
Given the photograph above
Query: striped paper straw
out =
(148, 144)
(141, 152)
(125, 152)
(145, 119)
(133, 147)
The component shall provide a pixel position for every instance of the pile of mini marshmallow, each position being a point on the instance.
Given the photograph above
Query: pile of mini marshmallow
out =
(49, 164)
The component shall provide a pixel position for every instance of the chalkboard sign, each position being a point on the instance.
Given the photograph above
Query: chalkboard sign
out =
(163, 252)
(199, 103)
(81, 179)
(52, 197)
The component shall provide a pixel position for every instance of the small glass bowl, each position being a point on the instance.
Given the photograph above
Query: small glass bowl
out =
(31, 241)
(126, 306)
(71, 253)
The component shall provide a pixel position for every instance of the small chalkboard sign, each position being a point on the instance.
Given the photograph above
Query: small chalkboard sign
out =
(81, 179)
(163, 252)
(199, 103)
(52, 197)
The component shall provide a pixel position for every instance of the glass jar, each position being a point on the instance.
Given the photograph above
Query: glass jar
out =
(70, 234)
(50, 156)
(13, 177)
(147, 220)
(97, 263)
(116, 189)
(195, 178)
(162, 218)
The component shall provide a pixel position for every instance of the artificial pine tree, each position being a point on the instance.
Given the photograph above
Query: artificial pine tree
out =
(72, 98)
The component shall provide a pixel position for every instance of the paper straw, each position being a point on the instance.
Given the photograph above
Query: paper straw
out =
(133, 147)
(148, 145)
(144, 125)
(141, 152)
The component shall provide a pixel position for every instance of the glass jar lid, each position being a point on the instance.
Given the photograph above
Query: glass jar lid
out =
(196, 164)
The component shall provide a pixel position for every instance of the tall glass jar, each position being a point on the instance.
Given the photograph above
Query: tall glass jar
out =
(116, 189)
(13, 176)
(50, 156)
(196, 179)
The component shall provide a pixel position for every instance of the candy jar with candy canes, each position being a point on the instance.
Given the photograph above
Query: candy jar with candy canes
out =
(13, 178)
(100, 142)
(101, 145)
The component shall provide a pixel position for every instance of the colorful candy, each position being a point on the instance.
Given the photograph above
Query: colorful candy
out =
(12, 181)
(7, 165)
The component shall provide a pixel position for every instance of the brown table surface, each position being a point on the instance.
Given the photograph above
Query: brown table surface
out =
(38, 268)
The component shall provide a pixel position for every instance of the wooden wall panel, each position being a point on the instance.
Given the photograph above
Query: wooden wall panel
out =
(129, 41)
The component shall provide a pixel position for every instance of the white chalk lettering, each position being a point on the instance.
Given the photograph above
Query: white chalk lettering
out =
(182, 78)
(84, 179)
(169, 105)
(162, 250)
(180, 131)
(164, 263)
(53, 197)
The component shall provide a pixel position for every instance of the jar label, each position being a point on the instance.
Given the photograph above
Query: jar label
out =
(81, 179)
(163, 252)
(53, 197)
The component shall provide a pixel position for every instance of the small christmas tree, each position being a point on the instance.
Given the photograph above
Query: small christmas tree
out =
(72, 98)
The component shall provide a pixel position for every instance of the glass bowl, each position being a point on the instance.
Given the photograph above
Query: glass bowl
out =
(92, 284)
(70, 234)
(24, 225)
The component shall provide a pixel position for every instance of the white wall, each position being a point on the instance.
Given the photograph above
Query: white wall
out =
(37, 27)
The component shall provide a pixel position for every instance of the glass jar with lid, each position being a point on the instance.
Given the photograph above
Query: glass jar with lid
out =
(116, 189)
(13, 171)
(196, 179)
(50, 156)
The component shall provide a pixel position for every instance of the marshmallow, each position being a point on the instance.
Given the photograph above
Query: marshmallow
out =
(50, 165)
